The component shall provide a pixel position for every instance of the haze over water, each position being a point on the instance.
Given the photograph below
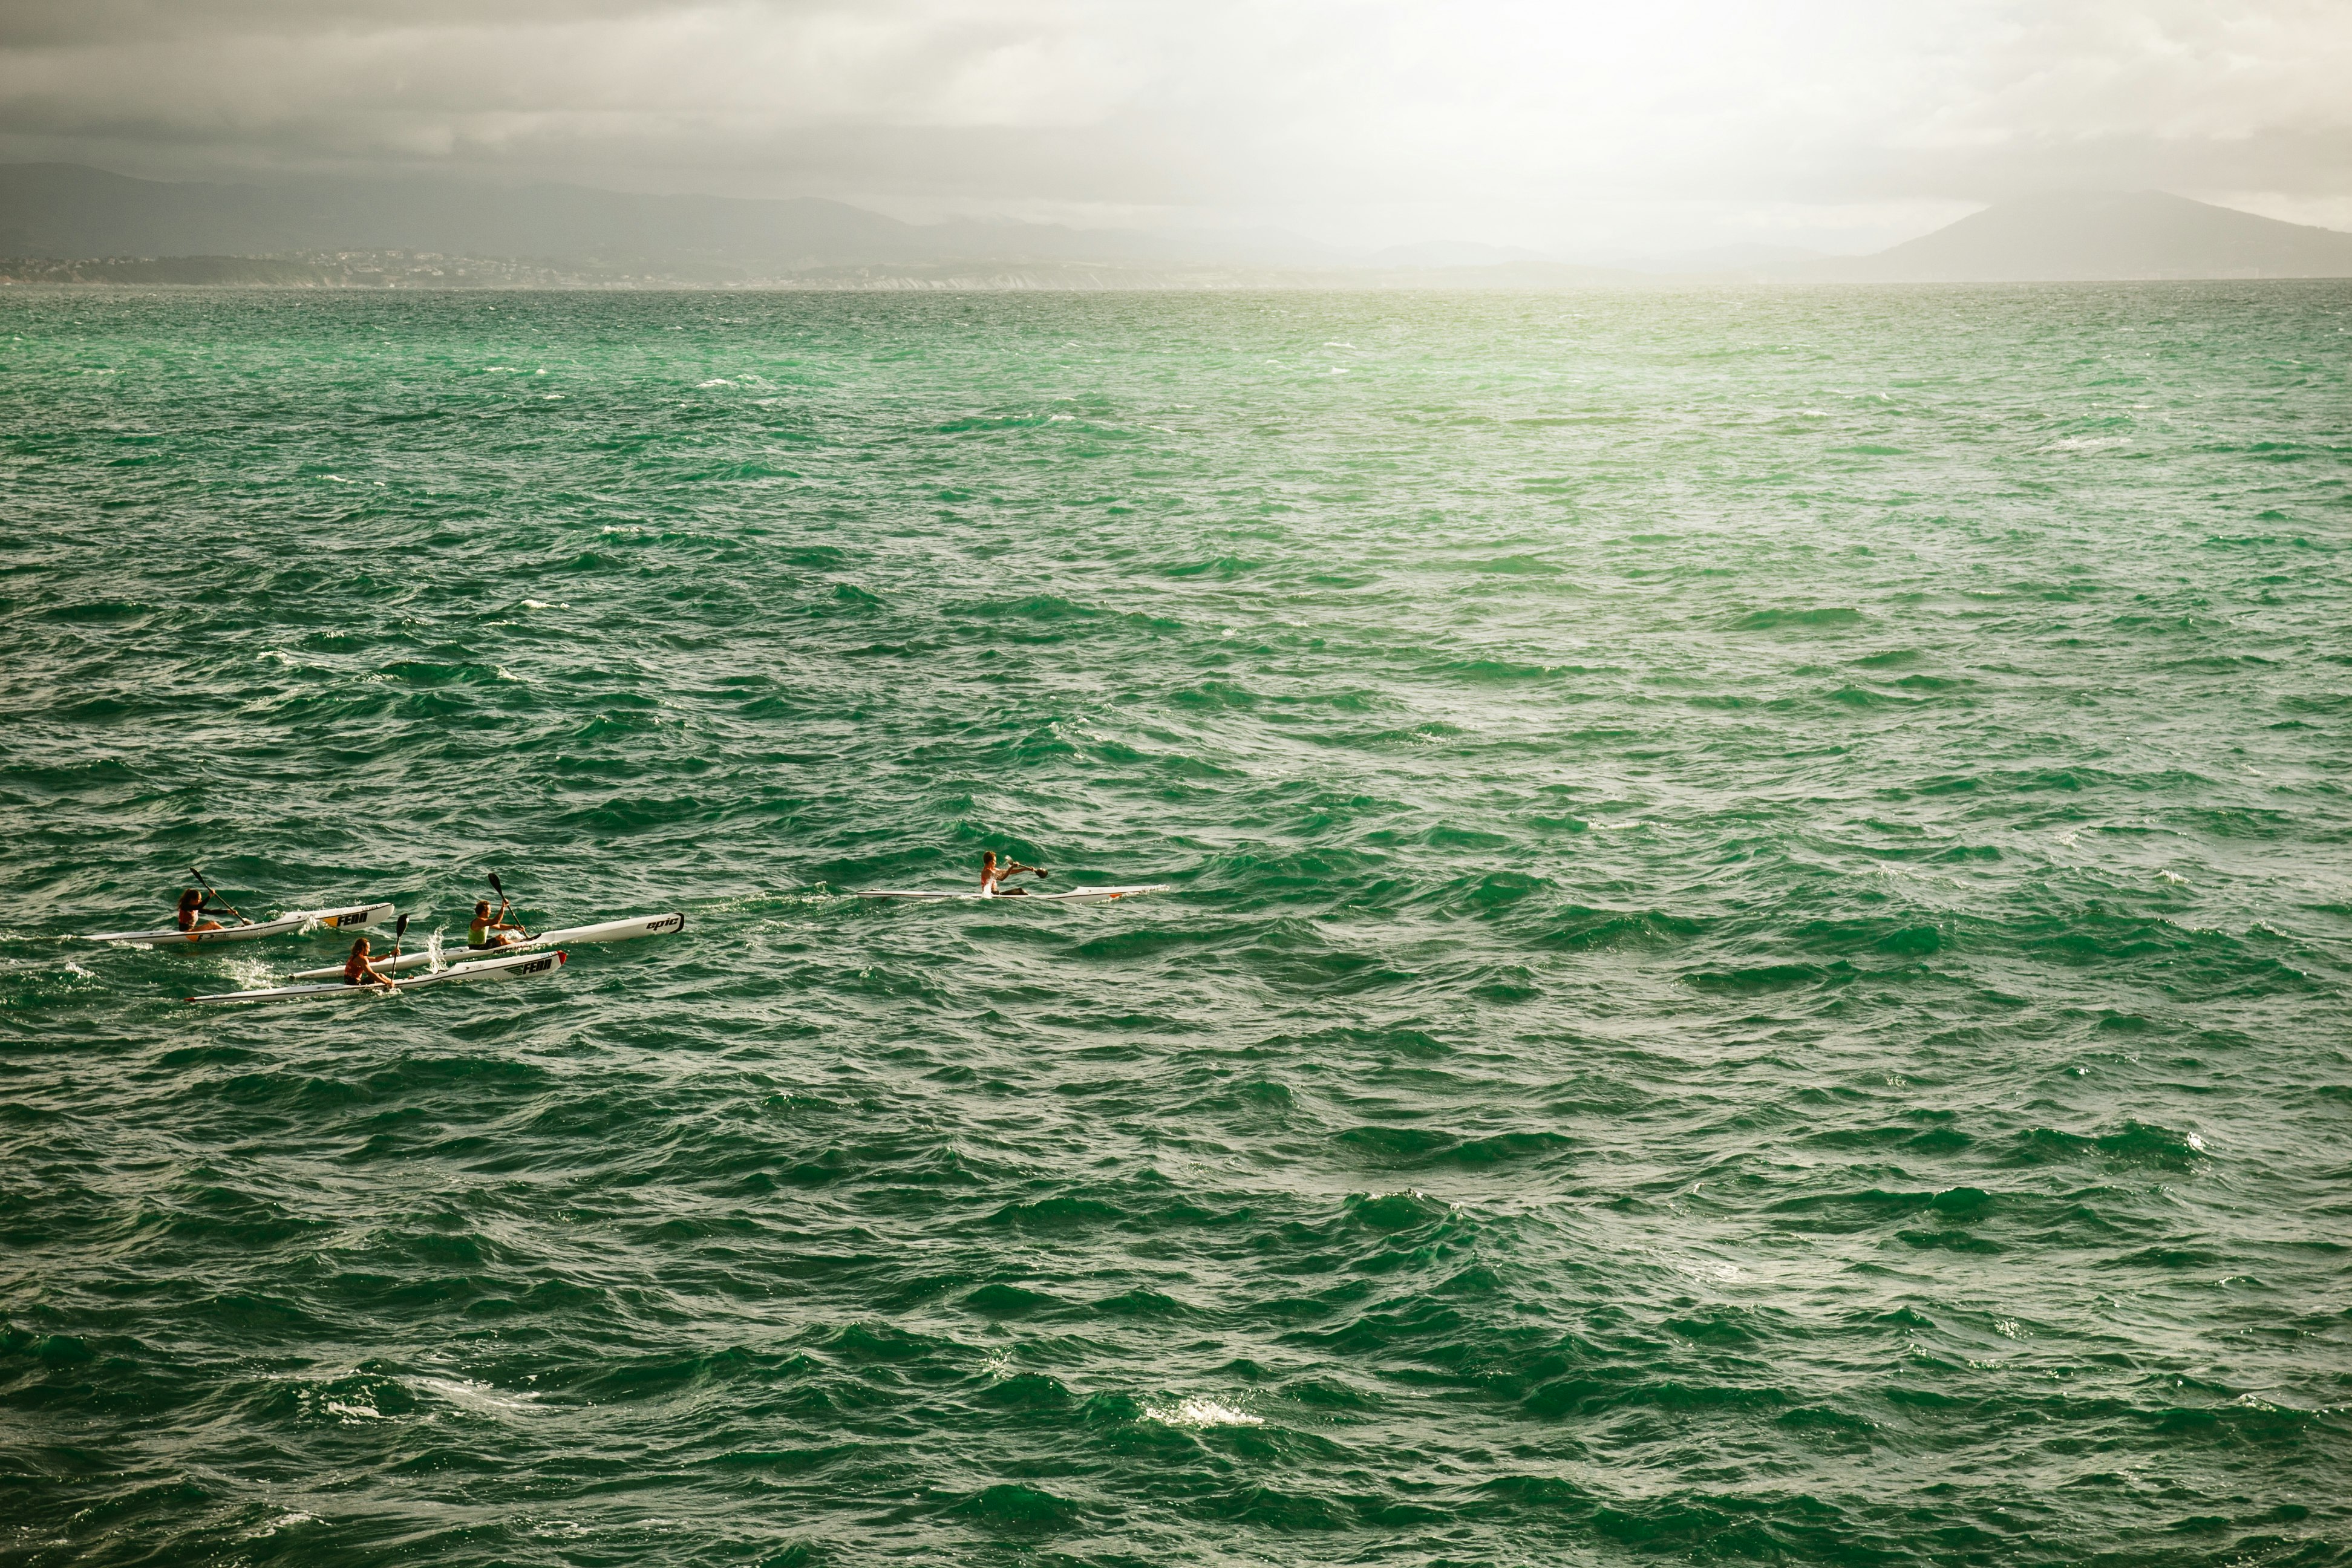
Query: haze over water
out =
(1758, 967)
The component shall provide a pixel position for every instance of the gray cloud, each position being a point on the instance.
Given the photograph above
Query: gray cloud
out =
(1357, 119)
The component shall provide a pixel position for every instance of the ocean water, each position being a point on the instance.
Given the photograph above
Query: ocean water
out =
(1756, 966)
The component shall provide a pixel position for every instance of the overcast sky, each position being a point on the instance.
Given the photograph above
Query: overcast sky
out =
(1573, 128)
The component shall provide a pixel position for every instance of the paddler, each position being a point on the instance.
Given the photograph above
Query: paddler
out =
(490, 930)
(359, 970)
(991, 875)
(192, 909)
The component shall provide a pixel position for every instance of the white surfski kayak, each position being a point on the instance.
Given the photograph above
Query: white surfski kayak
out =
(1060, 896)
(347, 916)
(513, 966)
(610, 930)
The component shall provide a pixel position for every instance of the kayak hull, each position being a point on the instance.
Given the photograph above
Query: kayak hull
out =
(511, 966)
(349, 917)
(1061, 896)
(628, 930)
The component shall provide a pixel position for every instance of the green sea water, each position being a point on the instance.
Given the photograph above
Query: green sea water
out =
(1757, 967)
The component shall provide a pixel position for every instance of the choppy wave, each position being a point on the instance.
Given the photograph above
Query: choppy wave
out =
(1756, 968)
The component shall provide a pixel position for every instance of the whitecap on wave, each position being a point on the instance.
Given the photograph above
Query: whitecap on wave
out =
(1197, 1410)
(479, 1397)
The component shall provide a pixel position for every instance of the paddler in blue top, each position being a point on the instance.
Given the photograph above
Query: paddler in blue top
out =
(488, 929)
(992, 874)
(359, 970)
(192, 909)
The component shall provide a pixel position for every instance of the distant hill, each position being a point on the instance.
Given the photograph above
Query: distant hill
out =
(2144, 234)
(66, 223)
(1454, 253)
(340, 269)
(67, 212)
(1726, 260)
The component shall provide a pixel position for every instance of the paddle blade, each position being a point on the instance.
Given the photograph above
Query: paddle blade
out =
(400, 928)
(495, 887)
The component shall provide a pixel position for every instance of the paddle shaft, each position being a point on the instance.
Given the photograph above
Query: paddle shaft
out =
(500, 888)
(399, 930)
(214, 892)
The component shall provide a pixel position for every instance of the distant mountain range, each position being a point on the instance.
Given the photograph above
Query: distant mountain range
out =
(62, 221)
(64, 211)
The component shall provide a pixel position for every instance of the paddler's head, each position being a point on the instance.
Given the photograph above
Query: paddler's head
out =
(482, 909)
(190, 899)
(988, 859)
(360, 948)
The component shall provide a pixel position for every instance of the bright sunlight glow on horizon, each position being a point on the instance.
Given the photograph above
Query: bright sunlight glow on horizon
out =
(1570, 128)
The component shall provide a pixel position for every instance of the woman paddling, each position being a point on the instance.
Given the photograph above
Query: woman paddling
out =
(992, 874)
(192, 909)
(490, 930)
(359, 970)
